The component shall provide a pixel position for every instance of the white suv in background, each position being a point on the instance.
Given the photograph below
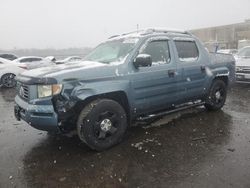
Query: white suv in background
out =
(243, 65)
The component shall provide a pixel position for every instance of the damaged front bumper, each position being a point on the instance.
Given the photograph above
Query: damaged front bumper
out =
(42, 117)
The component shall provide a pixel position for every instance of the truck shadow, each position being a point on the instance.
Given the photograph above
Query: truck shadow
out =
(148, 157)
(238, 98)
(8, 94)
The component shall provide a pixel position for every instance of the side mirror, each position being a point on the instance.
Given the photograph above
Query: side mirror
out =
(143, 60)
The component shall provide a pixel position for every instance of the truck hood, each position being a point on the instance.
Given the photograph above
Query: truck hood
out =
(54, 70)
(243, 62)
(82, 70)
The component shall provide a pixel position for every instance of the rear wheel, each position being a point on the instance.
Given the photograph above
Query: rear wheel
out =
(8, 80)
(102, 124)
(217, 95)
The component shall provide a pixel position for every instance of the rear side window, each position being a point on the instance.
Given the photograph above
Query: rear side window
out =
(25, 60)
(187, 50)
(76, 58)
(36, 59)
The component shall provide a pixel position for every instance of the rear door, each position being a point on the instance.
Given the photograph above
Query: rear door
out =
(192, 68)
(154, 87)
(45, 63)
(37, 62)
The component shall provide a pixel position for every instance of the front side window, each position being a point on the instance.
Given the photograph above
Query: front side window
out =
(112, 51)
(159, 52)
(187, 51)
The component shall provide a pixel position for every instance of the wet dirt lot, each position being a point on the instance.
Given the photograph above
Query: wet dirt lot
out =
(192, 149)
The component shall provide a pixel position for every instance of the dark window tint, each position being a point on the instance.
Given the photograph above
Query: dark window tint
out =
(159, 52)
(28, 60)
(187, 50)
(8, 56)
(75, 59)
(35, 59)
(25, 60)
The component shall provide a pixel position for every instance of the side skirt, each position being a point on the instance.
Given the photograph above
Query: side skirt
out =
(176, 109)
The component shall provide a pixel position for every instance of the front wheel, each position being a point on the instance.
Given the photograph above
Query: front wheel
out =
(102, 124)
(217, 96)
(8, 80)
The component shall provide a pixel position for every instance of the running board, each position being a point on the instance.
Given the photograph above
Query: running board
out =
(143, 118)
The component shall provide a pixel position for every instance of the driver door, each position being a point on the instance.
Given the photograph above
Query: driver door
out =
(154, 87)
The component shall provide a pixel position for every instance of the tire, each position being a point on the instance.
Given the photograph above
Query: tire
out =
(217, 96)
(8, 80)
(102, 124)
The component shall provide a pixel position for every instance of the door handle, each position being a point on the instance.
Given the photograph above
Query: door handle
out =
(171, 73)
(203, 68)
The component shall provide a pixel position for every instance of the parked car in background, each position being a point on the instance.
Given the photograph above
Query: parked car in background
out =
(69, 59)
(244, 52)
(32, 62)
(51, 58)
(8, 71)
(228, 51)
(8, 56)
(243, 65)
(131, 77)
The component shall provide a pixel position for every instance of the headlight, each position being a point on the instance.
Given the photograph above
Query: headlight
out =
(48, 90)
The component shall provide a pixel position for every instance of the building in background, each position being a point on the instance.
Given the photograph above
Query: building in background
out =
(234, 36)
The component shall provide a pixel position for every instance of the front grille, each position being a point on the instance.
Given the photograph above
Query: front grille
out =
(23, 91)
(245, 70)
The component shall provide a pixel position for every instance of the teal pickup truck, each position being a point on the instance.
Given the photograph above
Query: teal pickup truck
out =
(130, 77)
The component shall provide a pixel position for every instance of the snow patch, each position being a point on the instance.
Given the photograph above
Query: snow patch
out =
(189, 59)
(208, 72)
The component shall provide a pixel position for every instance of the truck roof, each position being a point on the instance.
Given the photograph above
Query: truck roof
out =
(152, 31)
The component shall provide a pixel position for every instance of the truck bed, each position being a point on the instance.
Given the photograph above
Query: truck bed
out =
(221, 58)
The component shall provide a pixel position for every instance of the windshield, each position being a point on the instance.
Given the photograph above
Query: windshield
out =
(245, 52)
(112, 51)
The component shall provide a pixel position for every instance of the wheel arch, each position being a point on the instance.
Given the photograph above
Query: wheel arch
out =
(118, 96)
(224, 78)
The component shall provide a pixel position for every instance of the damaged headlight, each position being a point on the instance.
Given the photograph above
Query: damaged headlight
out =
(48, 90)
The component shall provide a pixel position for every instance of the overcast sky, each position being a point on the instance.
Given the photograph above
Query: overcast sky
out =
(80, 23)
